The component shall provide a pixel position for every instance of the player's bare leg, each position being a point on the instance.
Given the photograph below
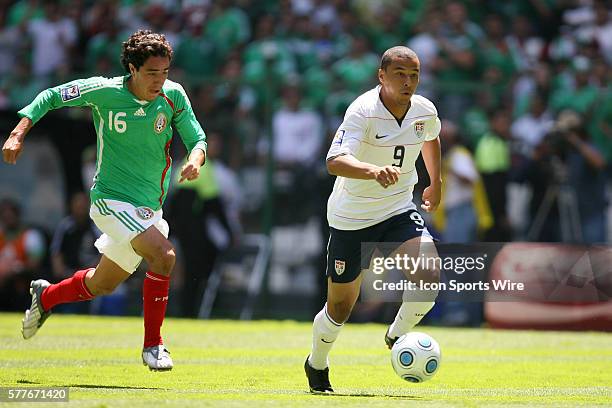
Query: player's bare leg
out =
(160, 256)
(83, 285)
(414, 305)
(341, 298)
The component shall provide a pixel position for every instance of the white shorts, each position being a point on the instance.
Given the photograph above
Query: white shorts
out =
(120, 223)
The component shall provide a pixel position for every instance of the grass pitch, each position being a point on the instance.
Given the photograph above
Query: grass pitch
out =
(254, 364)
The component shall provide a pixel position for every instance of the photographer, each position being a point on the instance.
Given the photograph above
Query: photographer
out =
(585, 166)
(566, 174)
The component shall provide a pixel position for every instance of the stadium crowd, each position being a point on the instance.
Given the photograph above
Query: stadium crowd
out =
(522, 87)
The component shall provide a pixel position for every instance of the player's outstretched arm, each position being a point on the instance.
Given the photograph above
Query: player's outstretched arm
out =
(432, 158)
(74, 93)
(348, 166)
(14, 144)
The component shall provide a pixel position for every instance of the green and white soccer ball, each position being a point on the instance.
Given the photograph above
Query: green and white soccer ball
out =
(416, 357)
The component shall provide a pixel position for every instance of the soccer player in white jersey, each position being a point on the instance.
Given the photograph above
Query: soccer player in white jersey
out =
(373, 156)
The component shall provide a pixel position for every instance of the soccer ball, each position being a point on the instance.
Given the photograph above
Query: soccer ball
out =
(415, 357)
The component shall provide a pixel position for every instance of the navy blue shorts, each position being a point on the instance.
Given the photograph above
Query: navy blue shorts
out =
(344, 257)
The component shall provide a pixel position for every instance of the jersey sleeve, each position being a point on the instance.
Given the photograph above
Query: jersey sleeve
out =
(349, 135)
(185, 122)
(75, 93)
(432, 128)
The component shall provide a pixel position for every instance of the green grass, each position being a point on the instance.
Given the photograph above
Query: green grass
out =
(253, 364)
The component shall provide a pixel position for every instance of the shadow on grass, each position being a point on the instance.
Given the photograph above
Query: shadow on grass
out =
(364, 394)
(112, 387)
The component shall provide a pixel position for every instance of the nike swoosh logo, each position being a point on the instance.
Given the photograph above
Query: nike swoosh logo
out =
(324, 341)
(380, 137)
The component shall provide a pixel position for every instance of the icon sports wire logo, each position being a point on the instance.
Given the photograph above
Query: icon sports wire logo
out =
(496, 272)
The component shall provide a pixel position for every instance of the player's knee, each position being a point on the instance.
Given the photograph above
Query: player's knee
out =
(169, 259)
(164, 261)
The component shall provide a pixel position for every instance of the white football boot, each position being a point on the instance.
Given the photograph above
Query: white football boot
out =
(157, 358)
(35, 316)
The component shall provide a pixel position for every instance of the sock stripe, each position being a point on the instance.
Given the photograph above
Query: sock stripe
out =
(332, 321)
(84, 285)
(148, 275)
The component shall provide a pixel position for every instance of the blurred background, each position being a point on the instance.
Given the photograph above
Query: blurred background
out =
(522, 88)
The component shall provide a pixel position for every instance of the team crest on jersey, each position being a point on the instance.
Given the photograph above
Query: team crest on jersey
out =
(70, 92)
(419, 129)
(144, 213)
(160, 122)
(339, 266)
(339, 136)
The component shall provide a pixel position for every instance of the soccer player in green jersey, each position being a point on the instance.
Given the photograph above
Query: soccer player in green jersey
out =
(134, 116)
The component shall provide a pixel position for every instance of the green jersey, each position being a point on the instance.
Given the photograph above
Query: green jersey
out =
(134, 136)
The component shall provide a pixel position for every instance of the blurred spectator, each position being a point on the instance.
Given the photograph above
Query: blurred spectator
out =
(297, 132)
(235, 104)
(356, 70)
(12, 44)
(72, 247)
(600, 128)
(495, 57)
(585, 165)
(598, 28)
(228, 27)
(566, 160)
(297, 140)
(529, 129)
(52, 39)
(105, 45)
(457, 61)
(526, 49)
(23, 10)
(475, 120)
(493, 162)
(204, 215)
(424, 43)
(538, 81)
(22, 251)
(267, 56)
(21, 86)
(579, 96)
(464, 208)
(196, 55)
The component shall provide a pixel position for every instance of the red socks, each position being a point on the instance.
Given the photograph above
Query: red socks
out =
(155, 299)
(154, 295)
(69, 290)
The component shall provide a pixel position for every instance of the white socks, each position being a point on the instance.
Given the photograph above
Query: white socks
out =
(408, 316)
(324, 333)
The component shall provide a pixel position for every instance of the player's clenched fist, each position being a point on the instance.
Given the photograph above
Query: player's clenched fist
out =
(12, 149)
(14, 144)
(190, 171)
(387, 175)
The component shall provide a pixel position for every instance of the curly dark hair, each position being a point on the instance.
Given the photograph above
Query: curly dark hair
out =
(142, 45)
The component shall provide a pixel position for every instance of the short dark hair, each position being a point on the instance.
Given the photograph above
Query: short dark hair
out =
(396, 52)
(142, 45)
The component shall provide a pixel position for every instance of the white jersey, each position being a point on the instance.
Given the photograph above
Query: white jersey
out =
(372, 135)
